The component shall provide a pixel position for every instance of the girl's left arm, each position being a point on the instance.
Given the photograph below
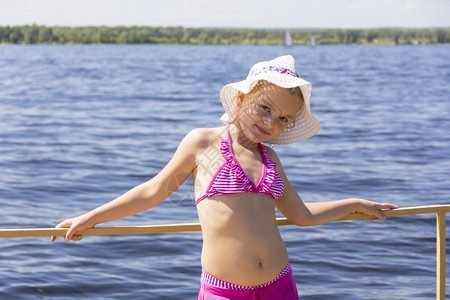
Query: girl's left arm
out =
(306, 214)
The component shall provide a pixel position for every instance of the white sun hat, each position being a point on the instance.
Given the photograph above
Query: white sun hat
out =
(282, 72)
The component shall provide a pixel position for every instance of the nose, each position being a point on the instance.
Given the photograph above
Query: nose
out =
(269, 122)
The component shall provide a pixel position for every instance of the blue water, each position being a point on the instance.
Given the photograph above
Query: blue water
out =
(80, 125)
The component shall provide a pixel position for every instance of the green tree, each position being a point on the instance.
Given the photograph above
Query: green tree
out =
(45, 35)
(103, 35)
(372, 35)
(16, 35)
(31, 35)
(122, 38)
(396, 37)
(4, 34)
(203, 38)
(441, 36)
(88, 35)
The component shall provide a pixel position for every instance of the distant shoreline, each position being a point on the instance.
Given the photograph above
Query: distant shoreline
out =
(123, 35)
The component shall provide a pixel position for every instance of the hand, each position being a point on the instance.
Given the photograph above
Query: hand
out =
(74, 224)
(373, 209)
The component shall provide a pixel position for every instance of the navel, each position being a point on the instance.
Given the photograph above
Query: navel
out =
(260, 263)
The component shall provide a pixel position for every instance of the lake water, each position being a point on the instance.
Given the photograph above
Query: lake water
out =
(80, 125)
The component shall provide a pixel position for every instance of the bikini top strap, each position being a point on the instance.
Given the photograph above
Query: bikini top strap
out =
(263, 152)
(228, 135)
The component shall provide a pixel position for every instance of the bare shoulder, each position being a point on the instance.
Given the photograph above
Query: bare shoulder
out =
(194, 144)
(274, 157)
(201, 138)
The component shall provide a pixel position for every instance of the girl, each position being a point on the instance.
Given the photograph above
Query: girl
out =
(238, 183)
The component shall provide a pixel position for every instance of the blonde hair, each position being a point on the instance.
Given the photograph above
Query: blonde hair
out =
(263, 83)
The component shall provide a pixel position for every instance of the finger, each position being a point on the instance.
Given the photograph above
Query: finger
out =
(70, 234)
(63, 224)
(377, 215)
(387, 206)
(77, 237)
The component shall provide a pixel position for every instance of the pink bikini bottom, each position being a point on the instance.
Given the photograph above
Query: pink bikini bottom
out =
(281, 288)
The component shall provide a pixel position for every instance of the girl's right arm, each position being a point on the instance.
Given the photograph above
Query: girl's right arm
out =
(145, 195)
(307, 214)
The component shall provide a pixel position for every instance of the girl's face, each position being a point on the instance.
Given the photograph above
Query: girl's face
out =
(265, 113)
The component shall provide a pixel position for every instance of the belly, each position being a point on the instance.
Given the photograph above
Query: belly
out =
(241, 241)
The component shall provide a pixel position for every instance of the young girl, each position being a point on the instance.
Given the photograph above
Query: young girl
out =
(238, 183)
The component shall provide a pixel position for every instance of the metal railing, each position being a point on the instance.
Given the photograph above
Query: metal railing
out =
(439, 210)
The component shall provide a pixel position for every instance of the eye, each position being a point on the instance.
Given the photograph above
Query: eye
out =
(284, 119)
(266, 108)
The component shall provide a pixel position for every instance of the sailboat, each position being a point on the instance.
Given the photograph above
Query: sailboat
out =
(313, 41)
(288, 40)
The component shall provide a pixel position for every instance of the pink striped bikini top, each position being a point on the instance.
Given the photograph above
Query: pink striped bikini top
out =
(231, 178)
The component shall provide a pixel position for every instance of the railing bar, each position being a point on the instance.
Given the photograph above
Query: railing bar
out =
(41, 232)
(405, 211)
(169, 228)
(440, 255)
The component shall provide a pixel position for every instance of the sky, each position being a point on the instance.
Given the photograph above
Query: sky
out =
(229, 13)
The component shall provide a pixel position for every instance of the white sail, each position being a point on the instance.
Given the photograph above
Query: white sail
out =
(313, 41)
(288, 41)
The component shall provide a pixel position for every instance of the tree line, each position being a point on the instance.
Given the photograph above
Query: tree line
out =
(35, 34)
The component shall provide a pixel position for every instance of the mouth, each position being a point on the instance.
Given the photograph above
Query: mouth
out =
(261, 131)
